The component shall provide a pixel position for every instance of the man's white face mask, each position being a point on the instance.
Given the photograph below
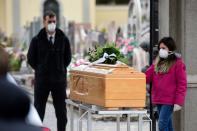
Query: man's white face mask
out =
(51, 27)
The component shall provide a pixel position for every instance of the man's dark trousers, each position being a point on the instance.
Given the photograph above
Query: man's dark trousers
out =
(58, 92)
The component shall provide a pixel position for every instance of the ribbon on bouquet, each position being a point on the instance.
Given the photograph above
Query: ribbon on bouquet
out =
(105, 56)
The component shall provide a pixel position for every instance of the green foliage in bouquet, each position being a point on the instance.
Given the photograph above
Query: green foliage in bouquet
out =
(109, 48)
(14, 64)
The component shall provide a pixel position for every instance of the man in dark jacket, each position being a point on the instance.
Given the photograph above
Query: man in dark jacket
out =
(14, 102)
(49, 55)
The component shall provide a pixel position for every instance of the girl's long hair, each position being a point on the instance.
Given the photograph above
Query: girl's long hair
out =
(170, 43)
(163, 65)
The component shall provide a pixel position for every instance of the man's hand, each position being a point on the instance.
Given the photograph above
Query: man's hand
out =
(177, 107)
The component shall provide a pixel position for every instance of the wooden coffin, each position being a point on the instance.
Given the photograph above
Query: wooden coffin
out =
(123, 87)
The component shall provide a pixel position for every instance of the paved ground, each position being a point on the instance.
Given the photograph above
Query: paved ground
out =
(50, 121)
(97, 125)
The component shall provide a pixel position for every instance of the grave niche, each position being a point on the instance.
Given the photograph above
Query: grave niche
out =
(52, 5)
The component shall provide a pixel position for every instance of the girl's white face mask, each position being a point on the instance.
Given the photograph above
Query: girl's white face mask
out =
(51, 27)
(163, 53)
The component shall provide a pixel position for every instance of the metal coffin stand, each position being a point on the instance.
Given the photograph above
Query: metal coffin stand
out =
(92, 109)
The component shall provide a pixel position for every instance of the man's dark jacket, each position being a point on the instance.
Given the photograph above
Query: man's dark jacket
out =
(17, 126)
(14, 107)
(14, 102)
(49, 60)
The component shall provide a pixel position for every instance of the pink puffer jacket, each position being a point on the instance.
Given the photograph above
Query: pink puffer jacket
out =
(169, 88)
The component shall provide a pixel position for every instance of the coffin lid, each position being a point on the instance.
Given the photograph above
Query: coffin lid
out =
(120, 70)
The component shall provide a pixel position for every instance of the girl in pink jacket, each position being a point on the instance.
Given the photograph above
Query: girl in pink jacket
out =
(168, 77)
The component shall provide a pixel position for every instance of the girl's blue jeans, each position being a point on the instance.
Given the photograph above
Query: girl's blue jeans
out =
(165, 117)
